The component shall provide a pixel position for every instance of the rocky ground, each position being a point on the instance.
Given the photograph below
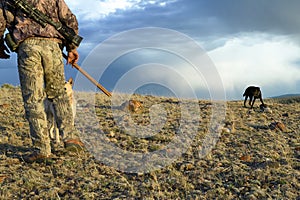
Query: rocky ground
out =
(256, 154)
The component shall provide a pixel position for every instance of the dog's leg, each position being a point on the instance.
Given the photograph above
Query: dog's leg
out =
(253, 102)
(245, 101)
(57, 135)
(250, 100)
(50, 118)
(52, 124)
(261, 100)
(51, 132)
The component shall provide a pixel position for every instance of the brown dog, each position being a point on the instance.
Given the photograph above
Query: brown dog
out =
(132, 105)
(253, 93)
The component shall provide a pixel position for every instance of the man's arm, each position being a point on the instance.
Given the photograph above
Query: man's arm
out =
(67, 18)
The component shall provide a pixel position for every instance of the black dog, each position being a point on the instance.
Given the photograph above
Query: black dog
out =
(253, 93)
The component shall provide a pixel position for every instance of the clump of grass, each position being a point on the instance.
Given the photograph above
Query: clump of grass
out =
(7, 86)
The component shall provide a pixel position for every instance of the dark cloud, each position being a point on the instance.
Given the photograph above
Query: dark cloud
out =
(209, 22)
(249, 15)
(203, 19)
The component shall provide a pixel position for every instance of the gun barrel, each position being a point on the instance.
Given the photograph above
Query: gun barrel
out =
(43, 20)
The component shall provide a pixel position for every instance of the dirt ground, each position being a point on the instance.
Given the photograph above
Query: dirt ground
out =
(252, 157)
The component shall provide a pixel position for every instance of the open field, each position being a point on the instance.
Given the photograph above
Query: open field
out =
(251, 161)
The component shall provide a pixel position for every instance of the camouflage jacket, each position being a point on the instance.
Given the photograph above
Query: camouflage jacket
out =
(22, 27)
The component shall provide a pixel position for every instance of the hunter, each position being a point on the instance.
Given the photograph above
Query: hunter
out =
(41, 68)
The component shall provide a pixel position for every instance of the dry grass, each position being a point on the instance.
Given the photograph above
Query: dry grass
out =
(253, 162)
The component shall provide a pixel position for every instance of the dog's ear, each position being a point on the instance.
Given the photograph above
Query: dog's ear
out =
(71, 81)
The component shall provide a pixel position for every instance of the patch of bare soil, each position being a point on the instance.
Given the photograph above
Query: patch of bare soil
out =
(253, 158)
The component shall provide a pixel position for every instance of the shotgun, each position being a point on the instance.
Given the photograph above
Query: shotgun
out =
(68, 33)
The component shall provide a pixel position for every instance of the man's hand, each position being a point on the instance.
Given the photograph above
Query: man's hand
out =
(73, 57)
(4, 52)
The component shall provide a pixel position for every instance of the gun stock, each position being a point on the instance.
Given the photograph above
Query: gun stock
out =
(89, 77)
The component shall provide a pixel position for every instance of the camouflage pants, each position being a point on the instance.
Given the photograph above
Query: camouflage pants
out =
(41, 72)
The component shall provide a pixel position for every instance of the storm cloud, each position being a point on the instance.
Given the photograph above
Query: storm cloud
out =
(249, 41)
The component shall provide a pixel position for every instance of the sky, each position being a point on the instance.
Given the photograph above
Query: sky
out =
(249, 42)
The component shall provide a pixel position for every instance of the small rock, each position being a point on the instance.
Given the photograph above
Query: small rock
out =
(2, 178)
(246, 158)
(187, 167)
(228, 127)
(265, 108)
(4, 106)
(281, 126)
(225, 130)
(111, 134)
(277, 126)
